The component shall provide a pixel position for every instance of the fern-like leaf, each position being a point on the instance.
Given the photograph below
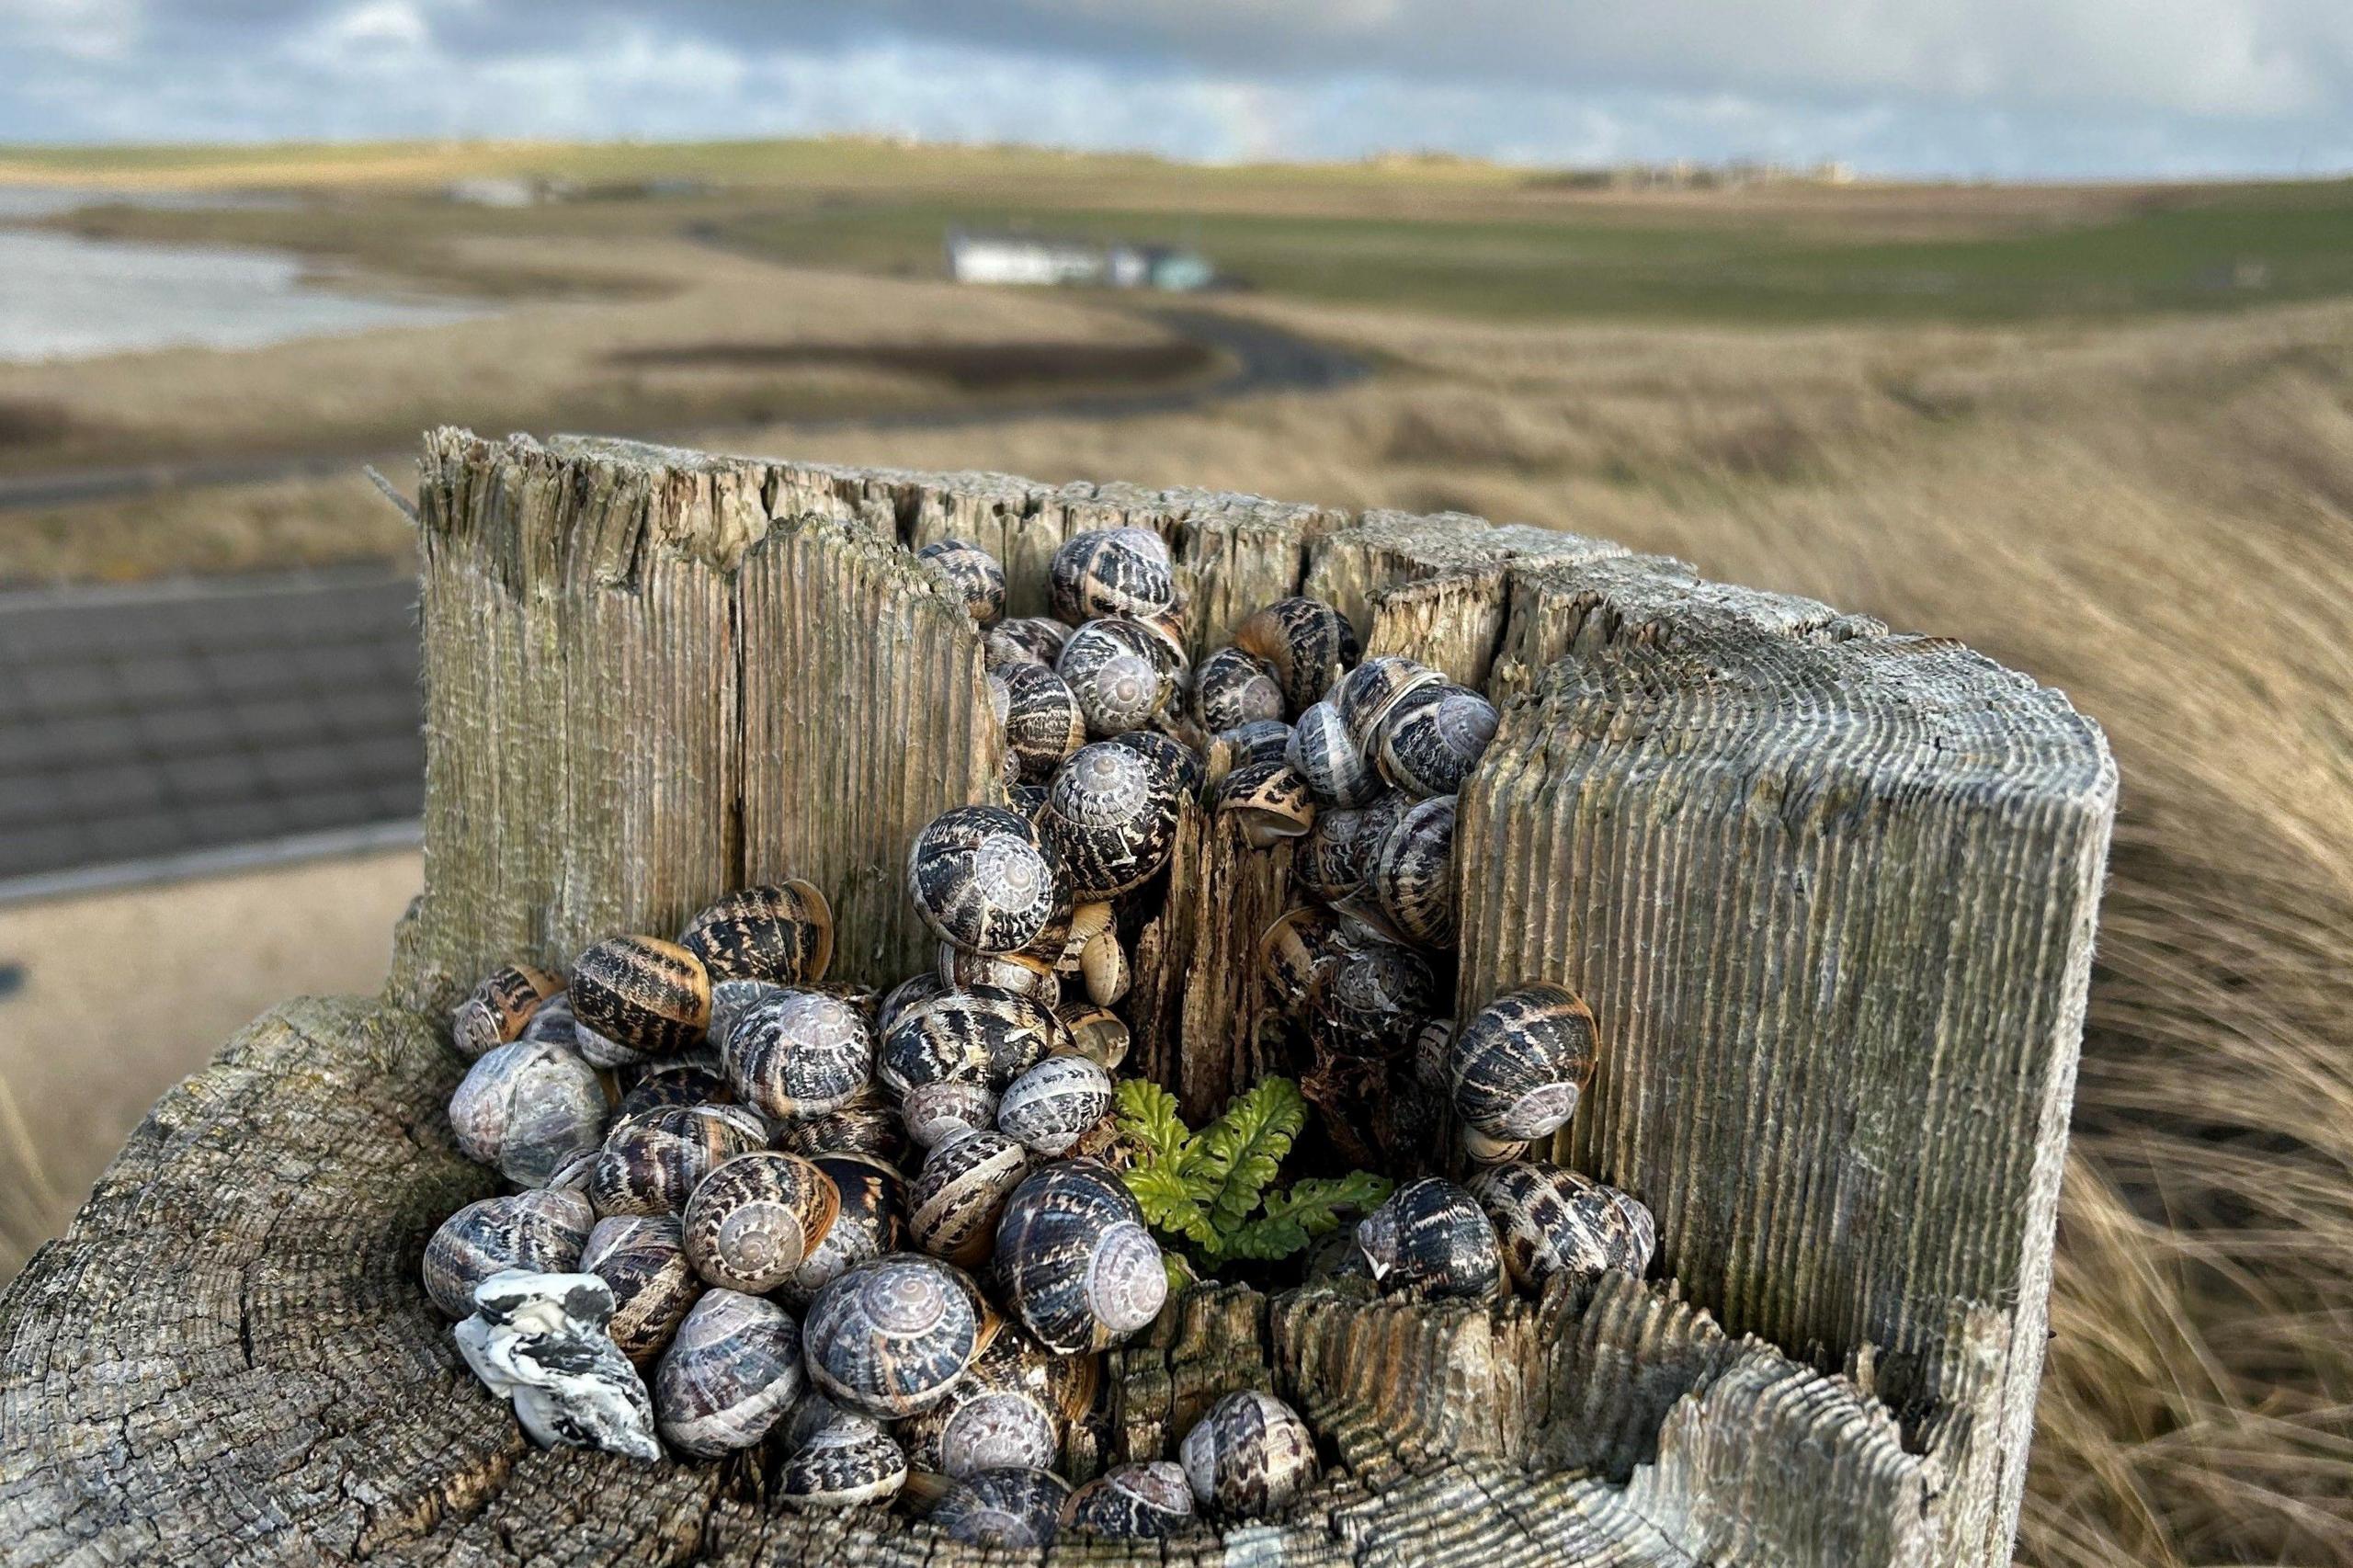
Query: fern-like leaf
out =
(1168, 1204)
(1150, 1118)
(1307, 1209)
(1236, 1158)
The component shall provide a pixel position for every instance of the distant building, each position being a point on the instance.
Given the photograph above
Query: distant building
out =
(508, 190)
(1036, 261)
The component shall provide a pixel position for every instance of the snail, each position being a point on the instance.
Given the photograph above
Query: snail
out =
(1181, 762)
(800, 1053)
(1025, 639)
(501, 1005)
(1261, 740)
(1041, 716)
(1520, 1065)
(910, 994)
(957, 1198)
(1298, 955)
(553, 1022)
(663, 1085)
(941, 1113)
(973, 572)
(1087, 922)
(1023, 973)
(1270, 802)
(1375, 998)
(652, 1162)
(1332, 861)
(1096, 1033)
(733, 1372)
(1049, 1107)
(1110, 572)
(1234, 687)
(643, 994)
(1103, 964)
(981, 1036)
(1551, 1219)
(1074, 1260)
(527, 1108)
(539, 1231)
(1323, 754)
(845, 1463)
(890, 1338)
(868, 1224)
(1110, 820)
(1368, 693)
(1434, 736)
(754, 1217)
(980, 880)
(1249, 1456)
(782, 933)
(1411, 874)
(1132, 1502)
(1113, 670)
(1433, 1237)
(1009, 1409)
(1306, 642)
(644, 1261)
(1020, 1510)
(866, 1124)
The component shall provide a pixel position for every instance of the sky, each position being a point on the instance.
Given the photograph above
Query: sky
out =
(1962, 88)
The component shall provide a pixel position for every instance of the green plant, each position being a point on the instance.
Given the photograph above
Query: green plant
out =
(1212, 1192)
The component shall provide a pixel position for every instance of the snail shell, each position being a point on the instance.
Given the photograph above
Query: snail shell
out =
(1434, 736)
(973, 572)
(731, 1375)
(1232, 688)
(1432, 1236)
(1009, 1409)
(867, 1124)
(983, 1036)
(680, 1082)
(1298, 956)
(1249, 1456)
(782, 933)
(1377, 999)
(1520, 1064)
(1132, 1502)
(1261, 740)
(1025, 974)
(1334, 859)
(1180, 761)
(1270, 801)
(1087, 922)
(1551, 1219)
(1017, 1508)
(756, 1217)
(1074, 1260)
(644, 1262)
(539, 1231)
(908, 995)
(800, 1053)
(1323, 753)
(1413, 874)
(980, 880)
(652, 1162)
(525, 1108)
(1025, 639)
(1111, 819)
(1049, 1107)
(873, 1197)
(1305, 641)
(1367, 694)
(845, 1463)
(641, 993)
(891, 1338)
(553, 1022)
(1113, 672)
(1096, 1033)
(501, 1005)
(954, 1205)
(1041, 719)
(1110, 572)
(1103, 966)
(937, 1114)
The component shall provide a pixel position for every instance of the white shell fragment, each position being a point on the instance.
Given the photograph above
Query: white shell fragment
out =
(539, 1340)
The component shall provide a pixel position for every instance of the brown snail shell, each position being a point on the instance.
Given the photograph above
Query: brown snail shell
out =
(1413, 874)
(642, 993)
(1432, 1237)
(1434, 736)
(941, 1113)
(1025, 639)
(644, 1262)
(890, 1338)
(756, 1217)
(1103, 966)
(1017, 1508)
(1232, 688)
(653, 1162)
(958, 1197)
(1009, 1409)
(527, 1108)
(1132, 1502)
(1022, 974)
(867, 1124)
(869, 1224)
(1041, 716)
(1248, 1456)
(782, 933)
(1377, 998)
(733, 1373)
(541, 1232)
(1334, 859)
(847, 1463)
(1337, 769)
(500, 1006)
(1298, 956)
(1074, 1260)
(1180, 761)
(1305, 641)
(1110, 820)
(1050, 1107)
(800, 1053)
(1087, 922)
(980, 880)
(1270, 802)
(682, 1082)
(973, 572)
(983, 1036)
(1261, 740)
(1110, 572)
(1551, 1219)
(1520, 1065)
(1114, 671)
(1367, 694)
(1096, 1033)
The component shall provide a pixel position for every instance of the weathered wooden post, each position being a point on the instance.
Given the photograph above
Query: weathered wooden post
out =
(1830, 891)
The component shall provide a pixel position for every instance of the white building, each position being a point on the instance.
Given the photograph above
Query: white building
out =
(1018, 258)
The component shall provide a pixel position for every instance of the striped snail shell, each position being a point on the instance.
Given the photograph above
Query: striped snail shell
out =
(756, 1217)
(941, 1113)
(1110, 572)
(1096, 1033)
(1337, 769)
(873, 1198)
(1377, 999)
(1180, 761)
(1048, 1108)
(540, 1232)
(644, 1262)
(1041, 716)
(731, 1374)
(1022, 974)
(1520, 1065)
(867, 1124)
(915, 990)
(1075, 1262)
(1367, 694)
(1298, 956)
(1111, 819)
(527, 1108)
(978, 879)
(1132, 1502)
(1334, 859)
(955, 1202)
(497, 1010)
(553, 1022)
(1114, 673)
(800, 1053)
(1018, 1508)
(1027, 799)
(848, 1463)
(1249, 1456)
(1433, 1237)
(891, 1338)
(973, 572)
(1260, 740)
(1413, 874)
(683, 1081)
(1434, 736)
(1232, 688)
(652, 1162)
(1307, 643)
(1025, 639)
(984, 1036)
(1269, 801)
(1087, 922)
(1551, 1219)
(1010, 1408)
(782, 933)
(642, 993)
